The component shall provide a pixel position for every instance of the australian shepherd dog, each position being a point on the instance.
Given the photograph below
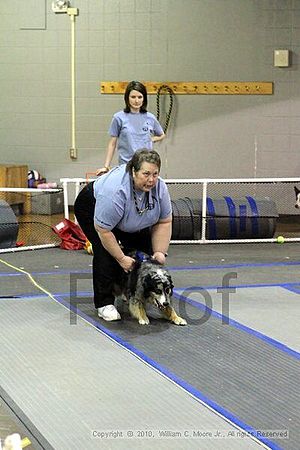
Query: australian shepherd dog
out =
(148, 282)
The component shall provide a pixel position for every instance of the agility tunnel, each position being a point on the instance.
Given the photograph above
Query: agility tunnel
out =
(9, 226)
(226, 218)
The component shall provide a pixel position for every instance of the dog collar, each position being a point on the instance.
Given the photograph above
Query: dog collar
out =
(141, 257)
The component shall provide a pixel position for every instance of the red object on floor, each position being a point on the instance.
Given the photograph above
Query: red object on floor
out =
(72, 236)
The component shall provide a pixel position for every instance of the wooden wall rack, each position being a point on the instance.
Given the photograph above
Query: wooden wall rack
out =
(196, 87)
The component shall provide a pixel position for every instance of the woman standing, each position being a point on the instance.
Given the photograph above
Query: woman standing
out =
(133, 128)
(128, 208)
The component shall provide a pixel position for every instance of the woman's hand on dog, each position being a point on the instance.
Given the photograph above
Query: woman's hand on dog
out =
(159, 257)
(127, 263)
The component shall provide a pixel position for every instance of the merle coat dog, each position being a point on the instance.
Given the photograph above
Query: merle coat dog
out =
(148, 282)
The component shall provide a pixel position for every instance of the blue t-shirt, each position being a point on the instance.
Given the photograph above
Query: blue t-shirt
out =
(134, 132)
(115, 204)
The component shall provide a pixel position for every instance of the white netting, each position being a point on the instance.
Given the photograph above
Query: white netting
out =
(234, 210)
(204, 211)
(26, 217)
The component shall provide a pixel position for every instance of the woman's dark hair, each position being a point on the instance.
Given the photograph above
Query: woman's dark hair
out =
(143, 155)
(136, 86)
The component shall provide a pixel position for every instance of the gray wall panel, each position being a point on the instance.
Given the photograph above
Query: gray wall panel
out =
(158, 40)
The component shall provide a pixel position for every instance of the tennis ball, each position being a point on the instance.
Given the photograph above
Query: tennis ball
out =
(280, 239)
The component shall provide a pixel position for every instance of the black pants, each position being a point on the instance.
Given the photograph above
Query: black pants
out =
(106, 270)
